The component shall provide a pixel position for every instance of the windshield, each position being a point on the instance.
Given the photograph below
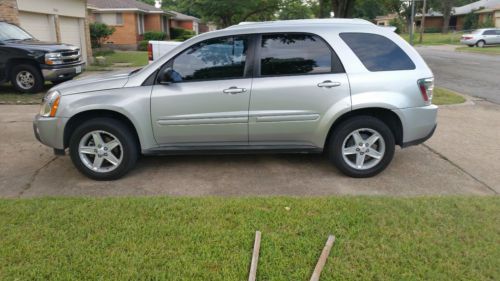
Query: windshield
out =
(12, 32)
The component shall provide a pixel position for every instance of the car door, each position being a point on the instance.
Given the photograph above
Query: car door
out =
(489, 36)
(206, 102)
(497, 38)
(297, 79)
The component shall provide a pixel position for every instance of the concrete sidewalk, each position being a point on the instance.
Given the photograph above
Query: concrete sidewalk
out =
(461, 158)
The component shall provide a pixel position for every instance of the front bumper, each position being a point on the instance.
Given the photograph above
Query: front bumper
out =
(419, 123)
(62, 72)
(50, 130)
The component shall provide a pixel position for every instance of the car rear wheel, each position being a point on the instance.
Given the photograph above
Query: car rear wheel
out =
(361, 146)
(103, 149)
(480, 43)
(26, 78)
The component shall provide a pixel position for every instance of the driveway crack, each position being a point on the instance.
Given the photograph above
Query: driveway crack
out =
(460, 168)
(28, 185)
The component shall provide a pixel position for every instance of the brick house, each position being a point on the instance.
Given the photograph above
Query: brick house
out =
(180, 20)
(130, 18)
(51, 20)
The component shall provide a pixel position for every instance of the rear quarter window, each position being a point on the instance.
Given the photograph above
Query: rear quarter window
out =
(377, 52)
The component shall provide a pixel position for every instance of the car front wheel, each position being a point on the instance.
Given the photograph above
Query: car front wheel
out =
(103, 149)
(26, 78)
(362, 146)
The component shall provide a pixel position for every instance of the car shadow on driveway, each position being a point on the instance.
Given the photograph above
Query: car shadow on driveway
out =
(414, 171)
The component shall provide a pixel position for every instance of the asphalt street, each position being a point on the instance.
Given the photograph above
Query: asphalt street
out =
(475, 75)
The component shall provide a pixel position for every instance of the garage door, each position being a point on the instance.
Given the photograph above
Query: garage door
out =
(72, 32)
(38, 25)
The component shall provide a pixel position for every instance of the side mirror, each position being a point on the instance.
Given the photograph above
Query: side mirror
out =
(166, 76)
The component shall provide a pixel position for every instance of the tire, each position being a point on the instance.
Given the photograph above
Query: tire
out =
(343, 136)
(26, 78)
(480, 43)
(125, 153)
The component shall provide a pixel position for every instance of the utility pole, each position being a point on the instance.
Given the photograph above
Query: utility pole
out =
(412, 19)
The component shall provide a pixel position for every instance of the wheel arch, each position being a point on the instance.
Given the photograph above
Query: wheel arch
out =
(389, 117)
(79, 118)
(17, 61)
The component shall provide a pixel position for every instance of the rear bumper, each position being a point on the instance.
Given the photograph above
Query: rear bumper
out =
(50, 131)
(468, 42)
(64, 72)
(419, 124)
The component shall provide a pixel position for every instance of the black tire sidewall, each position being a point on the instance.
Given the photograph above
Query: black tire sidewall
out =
(39, 81)
(478, 42)
(347, 127)
(119, 130)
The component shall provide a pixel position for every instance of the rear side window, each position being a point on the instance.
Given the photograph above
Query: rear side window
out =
(377, 53)
(294, 54)
(490, 32)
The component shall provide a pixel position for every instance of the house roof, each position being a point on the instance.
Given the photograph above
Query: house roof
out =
(122, 5)
(181, 16)
(474, 6)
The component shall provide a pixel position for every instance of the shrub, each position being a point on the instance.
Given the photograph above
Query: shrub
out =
(143, 45)
(99, 32)
(470, 21)
(179, 34)
(155, 36)
(398, 24)
(487, 23)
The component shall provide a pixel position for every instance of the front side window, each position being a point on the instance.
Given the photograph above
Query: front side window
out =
(288, 54)
(377, 53)
(220, 58)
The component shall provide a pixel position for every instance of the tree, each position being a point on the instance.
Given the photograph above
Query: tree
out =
(99, 32)
(343, 8)
(294, 9)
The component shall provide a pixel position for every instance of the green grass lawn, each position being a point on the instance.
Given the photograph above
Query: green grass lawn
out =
(134, 58)
(444, 96)
(8, 95)
(486, 50)
(443, 238)
(435, 38)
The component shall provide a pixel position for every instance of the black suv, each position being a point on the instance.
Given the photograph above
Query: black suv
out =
(27, 62)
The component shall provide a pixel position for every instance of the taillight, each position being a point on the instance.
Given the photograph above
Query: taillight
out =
(426, 87)
(466, 37)
(150, 52)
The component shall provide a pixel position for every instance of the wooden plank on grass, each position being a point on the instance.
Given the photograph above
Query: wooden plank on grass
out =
(322, 258)
(255, 257)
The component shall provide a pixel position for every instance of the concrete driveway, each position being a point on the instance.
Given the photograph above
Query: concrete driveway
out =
(462, 158)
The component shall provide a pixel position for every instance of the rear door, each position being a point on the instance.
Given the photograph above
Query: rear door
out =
(297, 79)
(490, 36)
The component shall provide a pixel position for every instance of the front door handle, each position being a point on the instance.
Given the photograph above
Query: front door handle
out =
(234, 90)
(328, 84)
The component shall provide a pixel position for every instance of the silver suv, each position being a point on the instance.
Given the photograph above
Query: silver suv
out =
(341, 86)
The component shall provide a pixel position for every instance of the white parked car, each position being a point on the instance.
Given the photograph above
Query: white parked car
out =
(481, 37)
(156, 49)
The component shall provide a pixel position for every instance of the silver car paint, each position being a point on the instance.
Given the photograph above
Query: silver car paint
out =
(169, 115)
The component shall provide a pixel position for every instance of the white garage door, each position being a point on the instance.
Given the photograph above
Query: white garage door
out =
(72, 32)
(38, 25)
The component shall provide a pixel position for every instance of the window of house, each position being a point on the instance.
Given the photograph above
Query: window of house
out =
(288, 54)
(110, 18)
(219, 58)
(377, 53)
(140, 24)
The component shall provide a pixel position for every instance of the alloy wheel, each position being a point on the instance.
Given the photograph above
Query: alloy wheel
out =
(25, 80)
(363, 149)
(100, 151)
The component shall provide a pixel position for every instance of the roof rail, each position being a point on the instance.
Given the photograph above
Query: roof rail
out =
(302, 21)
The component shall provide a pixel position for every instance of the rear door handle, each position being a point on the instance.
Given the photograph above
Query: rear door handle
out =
(234, 90)
(328, 84)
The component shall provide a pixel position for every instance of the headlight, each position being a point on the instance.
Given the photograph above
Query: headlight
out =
(50, 104)
(53, 58)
